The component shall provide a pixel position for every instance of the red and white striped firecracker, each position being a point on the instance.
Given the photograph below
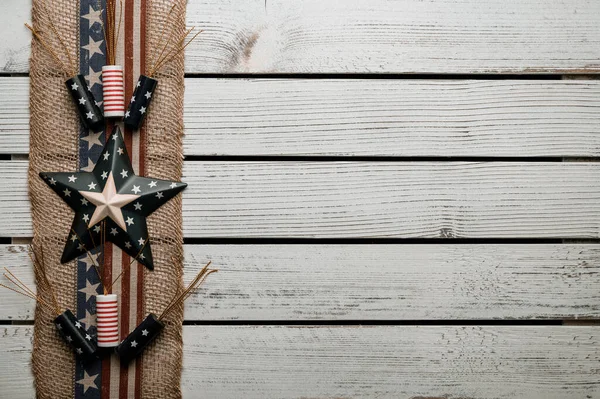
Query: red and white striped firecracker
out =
(107, 320)
(113, 91)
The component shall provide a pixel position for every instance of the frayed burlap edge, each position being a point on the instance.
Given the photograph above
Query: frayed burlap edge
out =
(162, 362)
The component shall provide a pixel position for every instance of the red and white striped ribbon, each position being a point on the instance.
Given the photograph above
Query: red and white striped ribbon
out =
(107, 320)
(113, 91)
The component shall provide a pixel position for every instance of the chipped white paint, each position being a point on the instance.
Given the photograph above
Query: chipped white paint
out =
(356, 117)
(534, 362)
(375, 282)
(379, 36)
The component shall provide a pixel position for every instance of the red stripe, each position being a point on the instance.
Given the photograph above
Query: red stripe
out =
(125, 282)
(142, 171)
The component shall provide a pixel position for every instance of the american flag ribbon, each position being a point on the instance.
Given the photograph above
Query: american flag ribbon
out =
(107, 379)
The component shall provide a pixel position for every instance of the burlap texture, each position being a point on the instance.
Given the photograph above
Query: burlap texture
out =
(54, 132)
(161, 371)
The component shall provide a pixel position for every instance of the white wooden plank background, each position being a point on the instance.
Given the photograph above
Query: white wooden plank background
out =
(411, 36)
(534, 362)
(365, 117)
(375, 282)
(367, 199)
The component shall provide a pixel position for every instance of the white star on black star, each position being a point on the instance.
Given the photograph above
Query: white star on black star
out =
(119, 198)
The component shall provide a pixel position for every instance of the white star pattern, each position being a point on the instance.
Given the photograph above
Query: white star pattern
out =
(92, 139)
(127, 114)
(84, 201)
(124, 173)
(88, 381)
(59, 326)
(89, 320)
(52, 181)
(74, 237)
(93, 47)
(141, 241)
(138, 84)
(79, 351)
(136, 189)
(80, 247)
(133, 344)
(142, 257)
(129, 221)
(74, 86)
(148, 95)
(159, 195)
(152, 184)
(86, 218)
(142, 110)
(90, 167)
(69, 339)
(137, 206)
(78, 324)
(127, 244)
(72, 179)
(88, 337)
(90, 115)
(82, 101)
(145, 333)
(104, 175)
(114, 231)
(67, 192)
(90, 290)
(93, 78)
(88, 264)
(173, 185)
(120, 151)
(93, 16)
(106, 155)
(132, 99)
(97, 229)
(114, 137)
(92, 186)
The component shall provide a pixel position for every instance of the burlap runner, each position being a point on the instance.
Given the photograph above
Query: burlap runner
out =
(54, 135)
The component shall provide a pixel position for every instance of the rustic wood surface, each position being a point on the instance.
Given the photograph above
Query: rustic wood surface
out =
(380, 36)
(368, 199)
(310, 299)
(375, 282)
(534, 362)
(366, 117)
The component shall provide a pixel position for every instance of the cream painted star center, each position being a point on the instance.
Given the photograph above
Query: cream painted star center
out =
(109, 203)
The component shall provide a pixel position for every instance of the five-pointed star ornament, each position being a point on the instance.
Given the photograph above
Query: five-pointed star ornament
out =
(111, 200)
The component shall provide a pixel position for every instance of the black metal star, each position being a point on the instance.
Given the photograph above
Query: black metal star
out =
(111, 194)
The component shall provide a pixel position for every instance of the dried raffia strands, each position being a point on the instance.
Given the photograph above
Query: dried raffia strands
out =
(53, 146)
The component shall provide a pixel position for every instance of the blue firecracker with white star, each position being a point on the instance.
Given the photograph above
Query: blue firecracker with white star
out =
(140, 102)
(111, 203)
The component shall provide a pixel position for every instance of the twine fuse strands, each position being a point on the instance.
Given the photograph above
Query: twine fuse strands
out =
(152, 325)
(113, 88)
(67, 325)
(83, 99)
(167, 51)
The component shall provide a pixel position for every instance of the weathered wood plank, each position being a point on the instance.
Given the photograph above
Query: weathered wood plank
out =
(14, 115)
(350, 117)
(385, 362)
(379, 36)
(375, 282)
(367, 199)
